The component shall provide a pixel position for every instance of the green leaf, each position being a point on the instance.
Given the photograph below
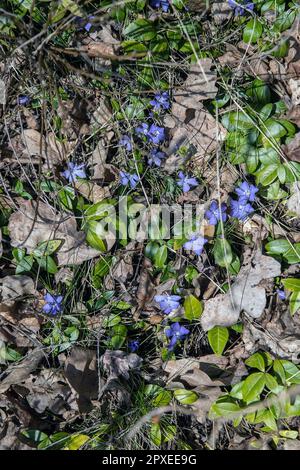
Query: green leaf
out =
(279, 370)
(141, 29)
(274, 129)
(271, 383)
(34, 435)
(267, 174)
(278, 247)
(256, 361)
(9, 354)
(119, 336)
(252, 31)
(292, 373)
(223, 407)
(76, 442)
(48, 264)
(46, 248)
(253, 386)
(294, 302)
(24, 265)
(161, 256)
(292, 284)
(155, 434)
(193, 308)
(94, 235)
(222, 252)
(217, 338)
(186, 397)
(162, 399)
(287, 434)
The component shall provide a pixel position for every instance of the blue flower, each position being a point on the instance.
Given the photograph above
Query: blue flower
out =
(195, 244)
(125, 141)
(240, 209)
(143, 129)
(23, 100)
(134, 345)
(53, 304)
(156, 134)
(163, 4)
(213, 214)
(74, 171)
(126, 178)
(281, 294)
(240, 7)
(176, 333)
(168, 303)
(185, 183)
(156, 157)
(161, 101)
(83, 23)
(246, 192)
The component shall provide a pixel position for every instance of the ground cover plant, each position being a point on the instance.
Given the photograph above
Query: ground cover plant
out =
(149, 221)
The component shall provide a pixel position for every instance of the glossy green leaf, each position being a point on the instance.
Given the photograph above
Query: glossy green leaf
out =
(186, 397)
(193, 308)
(253, 386)
(217, 338)
(292, 284)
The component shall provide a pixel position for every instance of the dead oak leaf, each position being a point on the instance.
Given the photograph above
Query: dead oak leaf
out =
(36, 222)
(246, 293)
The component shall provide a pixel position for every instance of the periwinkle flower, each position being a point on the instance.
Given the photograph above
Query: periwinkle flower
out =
(240, 7)
(246, 192)
(281, 294)
(161, 101)
(168, 303)
(125, 141)
(196, 244)
(156, 157)
(156, 134)
(23, 100)
(53, 304)
(134, 345)
(143, 129)
(126, 178)
(214, 214)
(176, 333)
(163, 4)
(74, 171)
(185, 182)
(84, 23)
(240, 209)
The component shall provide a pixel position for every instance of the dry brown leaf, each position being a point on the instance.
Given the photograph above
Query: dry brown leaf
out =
(35, 223)
(82, 374)
(221, 12)
(246, 293)
(15, 287)
(201, 135)
(92, 191)
(293, 203)
(292, 149)
(18, 373)
(117, 364)
(98, 158)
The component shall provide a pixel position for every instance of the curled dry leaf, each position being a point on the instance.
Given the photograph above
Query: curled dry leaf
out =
(246, 293)
(92, 191)
(16, 287)
(117, 364)
(35, 223)
(293, 203)
(221, 12)
(18, 373)
(82, 374)
(97, 160)
(292, 149)
(31, 143)
(279, 343)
